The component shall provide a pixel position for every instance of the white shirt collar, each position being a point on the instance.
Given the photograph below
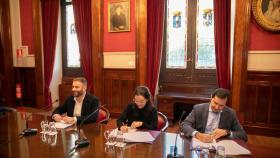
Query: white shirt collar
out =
(83, 97)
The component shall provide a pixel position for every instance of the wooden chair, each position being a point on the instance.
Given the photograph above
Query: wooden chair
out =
(103, 116)
(162, 122)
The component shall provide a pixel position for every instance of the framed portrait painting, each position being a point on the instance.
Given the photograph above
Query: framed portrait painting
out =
(118, 15)
(267, 14)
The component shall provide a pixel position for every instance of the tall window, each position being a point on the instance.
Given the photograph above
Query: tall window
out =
(189, 56)
(70, 46)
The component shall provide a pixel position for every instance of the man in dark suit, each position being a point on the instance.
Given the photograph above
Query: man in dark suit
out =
(213, 120)
(78, 106)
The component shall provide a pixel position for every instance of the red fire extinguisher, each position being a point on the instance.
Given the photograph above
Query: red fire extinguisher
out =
(19, 85)
(19, 95)
(19, 91)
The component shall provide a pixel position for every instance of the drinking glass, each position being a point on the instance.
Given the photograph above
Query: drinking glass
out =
(52, 124)
(44, 126)
(44, 137)
(110, 136)
(52, 140)
(205, 153)
(202, 152)
(171, 149)
(52, 128)
(47, 128)
(119, 152)
(220, 152)
(120, 139)
(110, 149)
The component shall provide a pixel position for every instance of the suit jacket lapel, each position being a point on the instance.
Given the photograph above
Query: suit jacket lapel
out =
(70, 110)
(222, 117)
(205, 112)
(84, 104)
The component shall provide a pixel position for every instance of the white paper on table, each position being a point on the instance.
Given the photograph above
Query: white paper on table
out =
(231, 147)
(61, 125)
(49, 133)
(196, 143)
(138, 136)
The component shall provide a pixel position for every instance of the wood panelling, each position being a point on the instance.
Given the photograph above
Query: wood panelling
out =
(275, 105)
(263, 103)
(166, 102)
(97, 43)
(184, 94)
(65, 89)
(7, 88)
(240, 53)
(119, 85)
(141, 41)
(39, 79)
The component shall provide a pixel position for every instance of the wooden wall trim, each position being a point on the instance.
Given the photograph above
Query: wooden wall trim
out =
(119, 85)
(240, 51)
(97, 51)
(39, 77)
(141, 41)
(8, 88)
(124, 74)
(262, 103)
(273, 132)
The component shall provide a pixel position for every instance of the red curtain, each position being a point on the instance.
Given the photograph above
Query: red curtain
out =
(222, 41)
(155, 22)
(82, 14)
(50, 10)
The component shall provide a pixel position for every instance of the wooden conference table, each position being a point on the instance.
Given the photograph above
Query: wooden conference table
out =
(11, 145)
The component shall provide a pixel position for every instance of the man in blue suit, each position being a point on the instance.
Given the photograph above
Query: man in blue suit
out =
(213, 120)
(78, 106)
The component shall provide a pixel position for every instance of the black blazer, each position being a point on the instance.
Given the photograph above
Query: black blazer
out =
(147, 115)
(90, 104)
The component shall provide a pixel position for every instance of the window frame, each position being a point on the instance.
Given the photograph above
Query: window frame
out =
(189, 75)
(67, 71)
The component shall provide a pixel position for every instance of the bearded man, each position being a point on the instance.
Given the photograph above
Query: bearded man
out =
(78, 106)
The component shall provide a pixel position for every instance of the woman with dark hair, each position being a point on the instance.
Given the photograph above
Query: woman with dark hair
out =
(141, 113)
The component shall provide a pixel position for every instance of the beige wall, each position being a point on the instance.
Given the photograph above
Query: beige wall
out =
(119, 60)
(264, 61)
(26, 60)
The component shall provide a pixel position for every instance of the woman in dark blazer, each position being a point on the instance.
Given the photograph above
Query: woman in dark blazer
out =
(141, 113)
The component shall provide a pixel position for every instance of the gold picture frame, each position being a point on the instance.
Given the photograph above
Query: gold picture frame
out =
(119, 16)
(267, 14)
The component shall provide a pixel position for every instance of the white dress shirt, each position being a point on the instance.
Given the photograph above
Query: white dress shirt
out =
(78, 107)
(212, 121)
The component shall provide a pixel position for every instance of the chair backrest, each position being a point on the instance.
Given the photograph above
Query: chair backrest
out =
(103, 116)
(162, 122)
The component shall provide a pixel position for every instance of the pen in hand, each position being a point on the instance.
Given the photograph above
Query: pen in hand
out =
(124, 127)
(124, 124)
